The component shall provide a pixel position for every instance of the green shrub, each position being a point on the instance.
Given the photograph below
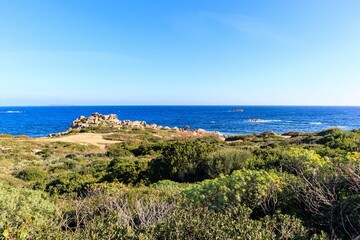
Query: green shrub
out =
(225, 161)
(246, 187)
(170, 187)
(147, 148)
(26, 214)
(236, 137)
(31, 174)
(69, 183)
(11, 180)
(181, 161)
(96, 168)
(337, 138)
(127, 170)
(121, 149)
(299, 160)
(191, 222)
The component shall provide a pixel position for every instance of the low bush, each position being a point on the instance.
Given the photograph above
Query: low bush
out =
(121, 149)
(225, 161)
(27, 214)
(192, 222)
(251, 188)
(127, 170)
(69, 183)
(181, 161)
(31, 174)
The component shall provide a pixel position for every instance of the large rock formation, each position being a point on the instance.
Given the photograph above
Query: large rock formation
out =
(96, 119)
(111, 120)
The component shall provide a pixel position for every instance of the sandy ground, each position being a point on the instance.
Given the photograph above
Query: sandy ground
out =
(98, 140)
(82, 138)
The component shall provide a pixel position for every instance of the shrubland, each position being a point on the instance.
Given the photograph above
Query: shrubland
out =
(161, 186)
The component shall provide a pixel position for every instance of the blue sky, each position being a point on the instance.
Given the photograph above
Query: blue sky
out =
(110, 52)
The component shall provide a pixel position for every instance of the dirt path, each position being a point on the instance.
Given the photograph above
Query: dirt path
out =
(82, 138)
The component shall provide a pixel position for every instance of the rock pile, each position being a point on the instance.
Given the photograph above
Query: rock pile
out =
(111, 120)
(96, 119)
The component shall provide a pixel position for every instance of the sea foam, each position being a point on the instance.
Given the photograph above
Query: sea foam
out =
(262, 120)
(10, 111)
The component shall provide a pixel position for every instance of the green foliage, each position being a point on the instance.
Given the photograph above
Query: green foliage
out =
(56, 148)
(147, 148)
(127, 170)
(121, 149)
(225, 161)
(31, 174)
(337, 138)
(11, 180)
(96, 168)
(99, 129)
(69, 183)
(247, 187)
(236, 138)
(259, 186)
(170, 187)
(302, 160)
(26, 214)
(192, 222)
(181, 161)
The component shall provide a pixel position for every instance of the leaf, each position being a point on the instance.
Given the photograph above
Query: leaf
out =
(6, 233)
(23, 234)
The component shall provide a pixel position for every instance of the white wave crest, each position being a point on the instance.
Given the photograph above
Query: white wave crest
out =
(12, 111)
(262, 120)
(315, 123)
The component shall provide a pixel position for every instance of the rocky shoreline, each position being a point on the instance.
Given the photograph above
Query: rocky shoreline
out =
(111, 120)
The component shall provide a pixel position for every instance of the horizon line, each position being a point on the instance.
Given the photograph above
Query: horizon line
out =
(177, 105)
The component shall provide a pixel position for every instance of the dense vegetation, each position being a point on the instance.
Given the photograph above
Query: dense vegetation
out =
(260, 186)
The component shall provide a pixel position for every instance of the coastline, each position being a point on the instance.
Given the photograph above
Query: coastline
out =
(41, 121)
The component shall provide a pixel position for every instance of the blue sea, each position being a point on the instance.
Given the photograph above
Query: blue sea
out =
(40, 121)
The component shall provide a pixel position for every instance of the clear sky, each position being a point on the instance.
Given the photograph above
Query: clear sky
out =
(150, 52)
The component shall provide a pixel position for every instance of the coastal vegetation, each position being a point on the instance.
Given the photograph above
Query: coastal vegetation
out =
(169, 184)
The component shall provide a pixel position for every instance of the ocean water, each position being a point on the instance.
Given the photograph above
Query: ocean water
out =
(40, 121)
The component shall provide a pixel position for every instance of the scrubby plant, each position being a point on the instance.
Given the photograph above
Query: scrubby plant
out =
(251, 188)
(31, 174)
(105, 213)
(181, 161)
(194, 222)
(121, 149)
(69, 183)
(127, 170)
(266, 186)
(26, 214)
(225, 161)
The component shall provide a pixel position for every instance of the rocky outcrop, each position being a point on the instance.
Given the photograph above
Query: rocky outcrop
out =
(111, 120)
(96, 119)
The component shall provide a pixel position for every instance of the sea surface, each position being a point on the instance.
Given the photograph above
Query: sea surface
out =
(41, 121)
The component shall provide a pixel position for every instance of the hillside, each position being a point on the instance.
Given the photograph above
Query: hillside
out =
(111, 179)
